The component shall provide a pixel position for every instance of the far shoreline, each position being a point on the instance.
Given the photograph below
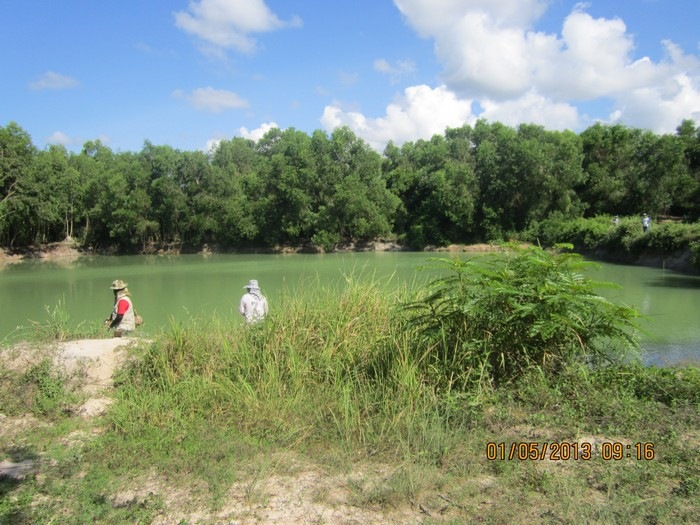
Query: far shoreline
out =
(69, 250)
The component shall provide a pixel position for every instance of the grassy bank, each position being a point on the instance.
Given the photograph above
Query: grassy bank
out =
(343, 392)
(669, 243)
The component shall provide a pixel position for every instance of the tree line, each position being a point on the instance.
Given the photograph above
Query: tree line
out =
(478, 183)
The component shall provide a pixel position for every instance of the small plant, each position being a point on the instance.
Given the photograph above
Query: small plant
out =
(492, 318)
(59, 327)
(49, 387)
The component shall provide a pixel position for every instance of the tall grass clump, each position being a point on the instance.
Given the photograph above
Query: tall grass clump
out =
(59, 326)
(493, 318)
(329, 367)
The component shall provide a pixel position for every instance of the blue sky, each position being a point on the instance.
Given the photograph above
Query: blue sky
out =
(190, 73)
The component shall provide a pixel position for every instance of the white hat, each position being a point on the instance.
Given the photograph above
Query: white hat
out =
(252, 285)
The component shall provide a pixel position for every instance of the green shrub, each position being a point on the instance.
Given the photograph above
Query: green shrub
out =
(670, 237)
(48, 386)
(326, 240)
(494, 317)
(625, 238)
(695, 253)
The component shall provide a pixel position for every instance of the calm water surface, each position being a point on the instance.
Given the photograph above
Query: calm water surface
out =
(181, 287)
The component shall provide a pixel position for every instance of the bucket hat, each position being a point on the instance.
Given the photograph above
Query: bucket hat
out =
(252, 285)
(118, 285)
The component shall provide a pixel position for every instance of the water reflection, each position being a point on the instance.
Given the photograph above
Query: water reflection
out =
(671, 354)
(676, 281)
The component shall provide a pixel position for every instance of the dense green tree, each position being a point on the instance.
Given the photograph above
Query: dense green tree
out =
(437, 187)
(237, 156)
(17, 154)
(663, 172)
(355, 203)
(286, 169)
(610, 168)
(500, 191)
(547, 167)
(56, 194)
(468, 185)
(687, 200)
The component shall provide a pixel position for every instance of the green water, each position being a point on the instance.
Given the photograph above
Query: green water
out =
(181, 287)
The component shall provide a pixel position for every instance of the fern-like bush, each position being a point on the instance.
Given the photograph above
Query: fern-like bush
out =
(494, 317)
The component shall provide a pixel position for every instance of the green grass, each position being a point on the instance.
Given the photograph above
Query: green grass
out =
(56, 326)
(331, 385)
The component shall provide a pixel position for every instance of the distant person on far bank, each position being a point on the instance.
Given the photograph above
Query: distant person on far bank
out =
(253, 303)
(123, 317)
(616, 221)
(646, 223)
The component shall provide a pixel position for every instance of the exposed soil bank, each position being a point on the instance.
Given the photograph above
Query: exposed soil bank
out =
(679, 261)
(68, 250)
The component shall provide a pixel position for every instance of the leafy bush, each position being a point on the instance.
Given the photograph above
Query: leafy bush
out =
(48, 386)
(627, 238)
(586, 233)
(326, 240)
(695, 253)
(670, 237)
(492, 318)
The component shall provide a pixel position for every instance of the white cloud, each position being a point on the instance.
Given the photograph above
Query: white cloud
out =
(429, 17)
(491, 52)
(419, 114)
(257, 133)
(228, 25)
(59, 138)
(212, 100)
(212, 145)
(660, 108)
(397, 71)
(52, 80)
(531, 108)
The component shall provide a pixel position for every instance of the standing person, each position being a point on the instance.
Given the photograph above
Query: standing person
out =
(646, 222)
(122, 319)
(253, 303)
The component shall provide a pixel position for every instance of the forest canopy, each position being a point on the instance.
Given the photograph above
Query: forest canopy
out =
(470, 184)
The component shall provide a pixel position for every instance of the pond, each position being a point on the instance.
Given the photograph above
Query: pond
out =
(186, 286)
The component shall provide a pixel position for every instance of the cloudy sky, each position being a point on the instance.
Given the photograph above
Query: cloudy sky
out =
(190, 73)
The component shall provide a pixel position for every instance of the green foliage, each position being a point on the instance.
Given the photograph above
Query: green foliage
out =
(493, 318)
(695, 253)
(58, 326)
(469, 184)
(324, 365)
(671, 237)
(48, 387)
(624, 240)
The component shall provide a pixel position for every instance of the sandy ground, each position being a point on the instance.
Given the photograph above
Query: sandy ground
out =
(94, 359)
(100, 357)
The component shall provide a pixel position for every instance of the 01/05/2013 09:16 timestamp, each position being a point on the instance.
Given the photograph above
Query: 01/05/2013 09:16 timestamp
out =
(556, 451)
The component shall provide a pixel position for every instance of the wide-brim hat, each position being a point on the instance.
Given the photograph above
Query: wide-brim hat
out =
(118, 285)
(252, 285)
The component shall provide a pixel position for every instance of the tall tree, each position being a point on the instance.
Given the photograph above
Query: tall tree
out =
(17, 155)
